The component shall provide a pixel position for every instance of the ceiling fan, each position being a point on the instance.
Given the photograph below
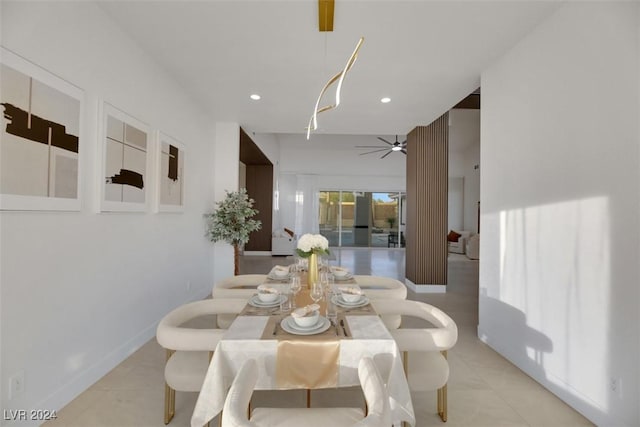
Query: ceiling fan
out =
(395, 146)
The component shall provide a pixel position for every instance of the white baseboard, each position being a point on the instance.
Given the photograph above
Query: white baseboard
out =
(425, 288)
(85, 379)
(572, 397)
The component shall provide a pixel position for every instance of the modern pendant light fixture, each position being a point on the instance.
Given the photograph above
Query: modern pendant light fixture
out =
(313, 122)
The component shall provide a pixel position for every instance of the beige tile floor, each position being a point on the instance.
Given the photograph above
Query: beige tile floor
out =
(484, 388)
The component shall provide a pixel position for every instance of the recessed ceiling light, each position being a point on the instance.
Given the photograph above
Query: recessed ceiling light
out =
(255, 97)
(385, 100)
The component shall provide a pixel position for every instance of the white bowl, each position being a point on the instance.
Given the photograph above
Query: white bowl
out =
(280, 273)
(340, 273)
(307, 321)
(349, 297)
(267, 296)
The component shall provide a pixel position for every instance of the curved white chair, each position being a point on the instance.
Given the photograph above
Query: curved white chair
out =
(241, 286)
(378, 287)
(234, 413)
(189, 350)
(424, 349)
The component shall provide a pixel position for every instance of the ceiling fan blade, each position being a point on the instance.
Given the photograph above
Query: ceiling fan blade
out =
(371, 146)
(390, 151)
(404, 143)
(374, 151)
(404, 151)
(385, 141)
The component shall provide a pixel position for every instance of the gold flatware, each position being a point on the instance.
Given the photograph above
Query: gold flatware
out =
(335, 325)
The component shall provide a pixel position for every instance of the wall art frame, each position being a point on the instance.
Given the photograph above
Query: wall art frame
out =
(42, 138)
(170, 170)
(125, 162)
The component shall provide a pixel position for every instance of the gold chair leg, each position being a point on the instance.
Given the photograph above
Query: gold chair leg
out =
(169, 397)
(405, 365)
(442, 403)
(169, 403)
(442, 398)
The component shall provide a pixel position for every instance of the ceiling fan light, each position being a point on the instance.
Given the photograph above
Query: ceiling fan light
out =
(385, 100)
(396, 148)
(255, 97)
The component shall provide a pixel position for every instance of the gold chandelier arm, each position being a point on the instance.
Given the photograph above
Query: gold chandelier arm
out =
(313, 122)
(347, 67)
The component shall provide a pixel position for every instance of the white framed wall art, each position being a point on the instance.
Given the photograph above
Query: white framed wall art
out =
(40, 138)
(170, 167)
(125, 162)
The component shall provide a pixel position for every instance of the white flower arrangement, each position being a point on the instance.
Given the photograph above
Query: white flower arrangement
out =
(312, 244)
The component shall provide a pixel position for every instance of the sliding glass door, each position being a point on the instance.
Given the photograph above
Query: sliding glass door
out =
(362, 219)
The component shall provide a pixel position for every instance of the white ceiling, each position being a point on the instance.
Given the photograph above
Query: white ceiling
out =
(425, 55)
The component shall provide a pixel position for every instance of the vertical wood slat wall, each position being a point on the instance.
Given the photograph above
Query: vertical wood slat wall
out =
(259, 181)
(427, 202)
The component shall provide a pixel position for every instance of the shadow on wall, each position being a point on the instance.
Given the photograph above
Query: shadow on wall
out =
(530, 345)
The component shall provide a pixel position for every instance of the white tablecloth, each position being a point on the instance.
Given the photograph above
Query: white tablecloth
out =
(242, 341)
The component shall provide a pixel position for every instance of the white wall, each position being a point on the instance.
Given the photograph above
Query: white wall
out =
(471, 159)
(560, 216)
(338, 155)
(464, 154)
(226, 169)
(80, 290)
(455, 212)
(456, 161)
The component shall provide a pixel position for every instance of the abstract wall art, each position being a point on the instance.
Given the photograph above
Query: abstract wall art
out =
(171, 156)
(40, 138)
(125, 162)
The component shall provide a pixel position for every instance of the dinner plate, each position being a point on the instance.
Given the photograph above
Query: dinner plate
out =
(347, 276)
(292, 323)
(336, 299)
(256, 302)
(279, 278)
(289, 325)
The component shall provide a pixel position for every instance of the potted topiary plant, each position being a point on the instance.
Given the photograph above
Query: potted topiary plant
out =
(392, 221)
(231, 222)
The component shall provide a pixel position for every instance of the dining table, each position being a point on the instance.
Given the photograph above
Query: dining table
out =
(289, 359)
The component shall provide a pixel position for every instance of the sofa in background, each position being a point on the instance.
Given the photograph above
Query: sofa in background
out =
(473, 247)
(457, 241)
(283, 242)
